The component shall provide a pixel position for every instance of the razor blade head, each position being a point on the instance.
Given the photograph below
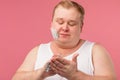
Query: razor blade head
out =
(47, 67)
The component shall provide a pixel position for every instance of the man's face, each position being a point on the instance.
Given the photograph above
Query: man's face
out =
(67, 23)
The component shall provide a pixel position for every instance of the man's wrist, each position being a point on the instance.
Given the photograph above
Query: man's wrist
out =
(38, 75)
(73, 76)
(80, 76)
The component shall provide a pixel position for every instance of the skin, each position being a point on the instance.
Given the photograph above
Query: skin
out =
(69, 28)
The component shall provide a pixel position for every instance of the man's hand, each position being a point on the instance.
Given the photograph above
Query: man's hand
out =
(45, 72)
(63, 67)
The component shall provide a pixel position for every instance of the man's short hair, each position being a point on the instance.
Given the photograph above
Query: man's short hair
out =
(70, 4)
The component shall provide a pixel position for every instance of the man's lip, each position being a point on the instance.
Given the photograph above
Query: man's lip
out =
(65, 34)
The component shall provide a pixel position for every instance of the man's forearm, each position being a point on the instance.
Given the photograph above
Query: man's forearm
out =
(101, 78)
(82, 76)
(25, 75)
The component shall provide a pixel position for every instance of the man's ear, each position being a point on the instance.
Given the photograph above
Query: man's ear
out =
(82, 26)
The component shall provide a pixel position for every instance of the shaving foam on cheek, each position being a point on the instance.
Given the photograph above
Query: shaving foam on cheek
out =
(54, 33)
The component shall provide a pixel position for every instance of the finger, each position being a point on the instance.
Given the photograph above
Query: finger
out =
(53, 68)
(75, 58)
(55, 57)
(57, 68)
(63, 61)
(57, 63)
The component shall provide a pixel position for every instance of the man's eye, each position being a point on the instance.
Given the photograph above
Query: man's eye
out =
(60, 22)
(72, 23)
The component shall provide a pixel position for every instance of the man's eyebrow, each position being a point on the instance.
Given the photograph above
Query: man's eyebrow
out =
(68, 21)
(59, 18)
(73, 20)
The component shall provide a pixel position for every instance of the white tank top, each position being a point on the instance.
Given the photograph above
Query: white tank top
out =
(84, 60)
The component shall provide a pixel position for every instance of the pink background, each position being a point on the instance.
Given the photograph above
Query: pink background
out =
(25, 23)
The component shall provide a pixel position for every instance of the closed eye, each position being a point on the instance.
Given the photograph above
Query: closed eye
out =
(60, 21)
(72, 23)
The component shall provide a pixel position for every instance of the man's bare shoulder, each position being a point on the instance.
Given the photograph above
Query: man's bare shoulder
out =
(30, 59)
(99, 51)
(34, 50)
(102, 61)
(98, 48)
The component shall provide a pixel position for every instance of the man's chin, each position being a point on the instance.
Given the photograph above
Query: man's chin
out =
(64, 40)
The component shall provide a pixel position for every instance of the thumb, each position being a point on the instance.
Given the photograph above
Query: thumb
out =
(75, 57)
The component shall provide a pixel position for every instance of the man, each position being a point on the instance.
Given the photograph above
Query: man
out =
(67, 57)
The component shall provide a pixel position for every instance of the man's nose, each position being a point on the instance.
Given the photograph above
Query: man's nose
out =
(65, 27)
